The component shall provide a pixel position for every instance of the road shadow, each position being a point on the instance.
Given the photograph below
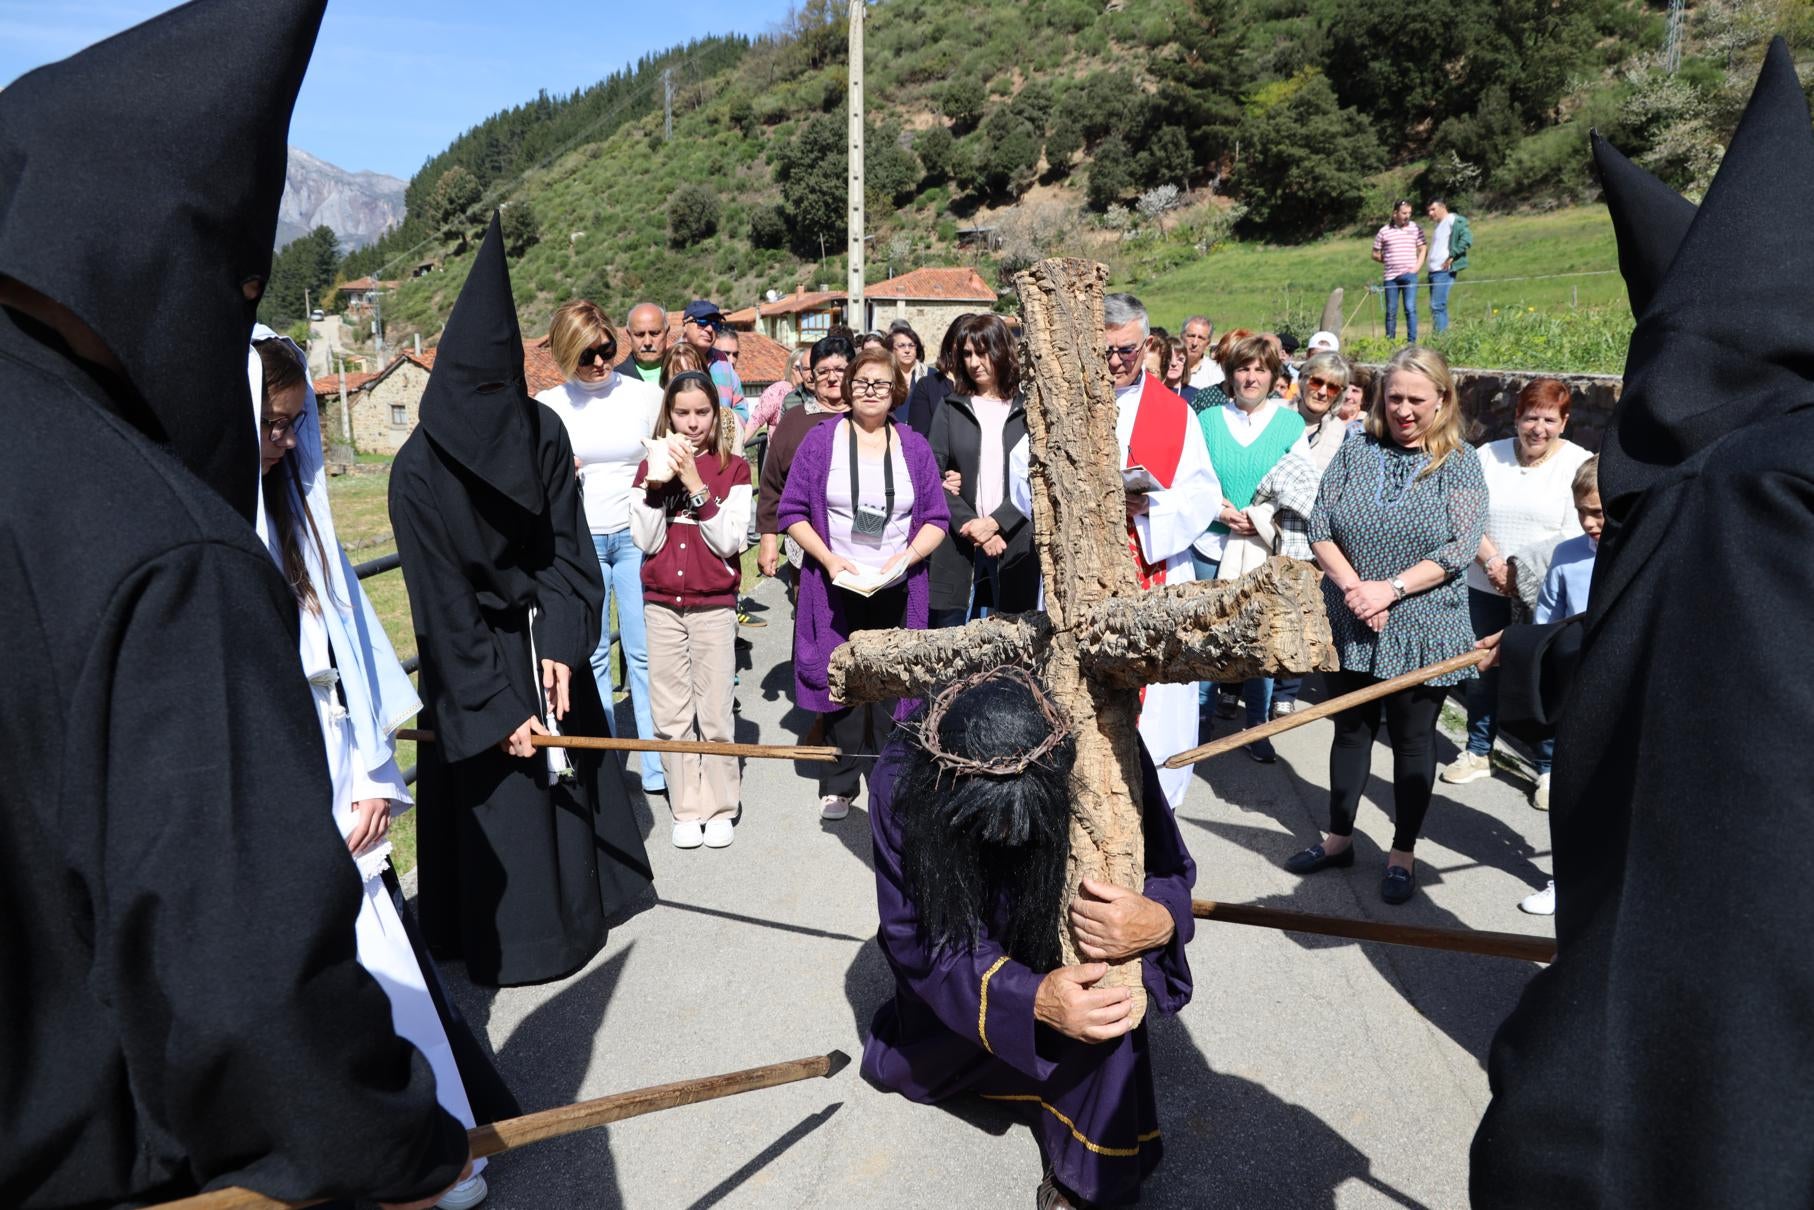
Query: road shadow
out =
(762, 1159)
(546, 1062)
(1466, 996)
(1228, 1141)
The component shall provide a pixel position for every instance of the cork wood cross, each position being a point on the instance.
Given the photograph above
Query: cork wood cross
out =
(1101, 638)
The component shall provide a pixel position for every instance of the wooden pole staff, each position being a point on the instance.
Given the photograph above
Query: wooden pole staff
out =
(701, 747)
(500, 1137)
(1335, 705)
(1461, 941)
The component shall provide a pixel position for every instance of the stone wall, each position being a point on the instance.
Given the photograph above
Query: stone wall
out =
(929, 319)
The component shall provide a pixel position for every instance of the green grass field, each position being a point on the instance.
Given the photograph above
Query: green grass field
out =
(1541, 292)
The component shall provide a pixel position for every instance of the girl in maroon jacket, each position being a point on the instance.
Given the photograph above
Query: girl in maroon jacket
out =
(689, 522)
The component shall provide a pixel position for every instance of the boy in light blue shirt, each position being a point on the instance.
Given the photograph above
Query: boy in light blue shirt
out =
(1571, 567)
(1565, 589)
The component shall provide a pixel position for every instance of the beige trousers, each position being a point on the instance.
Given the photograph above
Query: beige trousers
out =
(692, 661)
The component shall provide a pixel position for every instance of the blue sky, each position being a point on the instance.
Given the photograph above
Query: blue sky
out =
(393, 81)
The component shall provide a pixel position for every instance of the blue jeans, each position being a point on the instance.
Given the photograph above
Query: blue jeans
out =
(1491, 613)
(1256, 694)
(1403, 286)
(1440, 282)
(621, 563)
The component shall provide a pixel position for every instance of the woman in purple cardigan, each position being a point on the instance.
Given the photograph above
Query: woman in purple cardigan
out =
(864, 501)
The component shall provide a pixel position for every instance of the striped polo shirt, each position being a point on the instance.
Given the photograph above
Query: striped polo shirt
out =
(1400, 244)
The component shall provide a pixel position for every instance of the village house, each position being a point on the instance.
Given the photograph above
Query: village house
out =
(359, 296)
(385, 404)
(929, 299)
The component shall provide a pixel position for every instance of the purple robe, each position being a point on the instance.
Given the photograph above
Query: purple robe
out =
(819, 626)
(963, 1022)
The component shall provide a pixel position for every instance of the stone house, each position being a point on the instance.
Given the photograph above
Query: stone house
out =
(385, 405)
(800, 318)
(929, 299)
(357, 297)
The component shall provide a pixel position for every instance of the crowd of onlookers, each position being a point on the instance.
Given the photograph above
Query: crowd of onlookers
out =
(889, 489)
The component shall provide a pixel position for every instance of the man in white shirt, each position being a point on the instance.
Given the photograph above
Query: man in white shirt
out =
(1200, 368)
(1156, 429)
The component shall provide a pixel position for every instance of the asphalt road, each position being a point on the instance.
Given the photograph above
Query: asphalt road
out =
(1306, 1072)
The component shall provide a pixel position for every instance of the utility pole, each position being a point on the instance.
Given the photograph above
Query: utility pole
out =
(1672, 49)
(378, 327)
(858, 320)
(667, 104)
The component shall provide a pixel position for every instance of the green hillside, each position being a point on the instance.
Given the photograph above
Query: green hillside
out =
(1229, 148)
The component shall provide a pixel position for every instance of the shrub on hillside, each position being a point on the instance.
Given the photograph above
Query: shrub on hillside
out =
(890, 171)
(963, 100)
(1062, 146)
(1165, 160)
(1008, 155)
(811, 167)
(933, 146)
(519, 228)
(451, 204)
(1306, 169)
(692, 215)
(1111, 173)
(768, 227)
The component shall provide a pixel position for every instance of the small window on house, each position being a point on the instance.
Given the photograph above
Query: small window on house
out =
(399, 414)
(815, 324)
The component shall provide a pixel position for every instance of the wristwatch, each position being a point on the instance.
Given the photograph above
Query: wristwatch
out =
(1398, 586)
(698, 498)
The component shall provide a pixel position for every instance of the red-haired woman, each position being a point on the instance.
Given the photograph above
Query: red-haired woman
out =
(1531, 506)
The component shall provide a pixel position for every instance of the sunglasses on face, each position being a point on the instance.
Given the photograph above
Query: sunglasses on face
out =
(1126, 352)
(1320, 386)
(599, 353)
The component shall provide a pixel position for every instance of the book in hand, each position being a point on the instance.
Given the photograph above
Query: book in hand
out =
(866, 583)
(1138, 479)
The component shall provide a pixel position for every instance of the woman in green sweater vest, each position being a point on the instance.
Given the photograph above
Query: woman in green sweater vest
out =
(1246, 436)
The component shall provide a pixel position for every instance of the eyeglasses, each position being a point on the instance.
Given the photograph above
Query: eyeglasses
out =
(1322, 386)
(275, 430)
(600, 353)
(871, 388)
(830, 373)
(1126, 352)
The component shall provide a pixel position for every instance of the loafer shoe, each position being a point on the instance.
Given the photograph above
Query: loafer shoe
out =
(1398, 885)
(688, 834)
(1262, 751)
(718, 833)
(1315, 858)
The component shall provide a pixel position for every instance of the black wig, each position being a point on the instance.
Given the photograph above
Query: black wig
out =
(983, 850)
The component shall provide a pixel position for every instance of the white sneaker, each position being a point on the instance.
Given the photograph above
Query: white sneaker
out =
(1542, 903)
(1540, 796)
(834, 806)
(688, 834)
(1466, 768)
(1281, 709)
(718, 833)
(465, 1195)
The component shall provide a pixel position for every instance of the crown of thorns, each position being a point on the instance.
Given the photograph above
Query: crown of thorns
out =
(1059, 726)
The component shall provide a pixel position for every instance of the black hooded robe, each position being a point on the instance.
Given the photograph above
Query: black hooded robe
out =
(518, 877)
(182, 1005)
(1667, 1058)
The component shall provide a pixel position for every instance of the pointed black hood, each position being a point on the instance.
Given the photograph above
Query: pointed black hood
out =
(139, 186)
(1728, 339)
(1649, 220)
(476, 408)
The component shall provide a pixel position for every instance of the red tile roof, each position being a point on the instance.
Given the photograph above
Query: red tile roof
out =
(329, 385)
(367, 283)
(760, 360)
(800, 300)
(959, 284)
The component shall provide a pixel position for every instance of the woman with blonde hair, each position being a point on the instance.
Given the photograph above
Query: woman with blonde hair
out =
(1398, 518)
(607, 416)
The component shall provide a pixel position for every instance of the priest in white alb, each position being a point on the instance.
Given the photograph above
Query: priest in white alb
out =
(1157, 433)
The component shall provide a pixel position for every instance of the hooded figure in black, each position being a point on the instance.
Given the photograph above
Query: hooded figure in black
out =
(523, 863)
(182, 1007)
(1667, 1057)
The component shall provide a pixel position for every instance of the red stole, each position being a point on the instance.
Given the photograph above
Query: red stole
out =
(1157, 443)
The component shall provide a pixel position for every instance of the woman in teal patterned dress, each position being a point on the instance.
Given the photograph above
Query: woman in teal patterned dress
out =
(1397, 519)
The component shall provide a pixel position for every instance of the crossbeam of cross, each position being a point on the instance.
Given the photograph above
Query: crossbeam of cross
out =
(1101, 637)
